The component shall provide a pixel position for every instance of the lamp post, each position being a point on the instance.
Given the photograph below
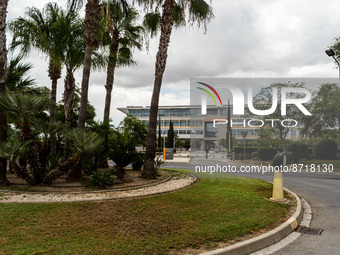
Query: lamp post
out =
(244, 135)
(331, 53)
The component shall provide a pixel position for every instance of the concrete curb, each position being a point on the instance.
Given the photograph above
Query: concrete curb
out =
(267, 239)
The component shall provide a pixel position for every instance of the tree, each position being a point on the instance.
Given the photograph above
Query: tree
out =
(3, 77)
(170, 138)
(82, 142)
(36, 30)
(121, 33)
(325, 109)
(263, 100)
(136, 128)
(91, 27)
(123, 151)
(172, 12)
(16, 79)
(25, 107)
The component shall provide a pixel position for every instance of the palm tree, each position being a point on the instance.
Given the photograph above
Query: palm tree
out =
(92, 14)
(121, 33)
(91, 28)
(25, 107)
(35, 31)
(17, 72)
(3, 77)
(172, 12)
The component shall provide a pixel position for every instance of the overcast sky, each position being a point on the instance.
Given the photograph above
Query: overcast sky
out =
(247, 38)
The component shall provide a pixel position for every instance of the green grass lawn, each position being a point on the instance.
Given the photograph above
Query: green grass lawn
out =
(212, 210)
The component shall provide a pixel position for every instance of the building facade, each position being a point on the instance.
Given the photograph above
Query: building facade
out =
(205, 131)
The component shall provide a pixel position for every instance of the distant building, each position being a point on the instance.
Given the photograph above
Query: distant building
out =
(189, 123)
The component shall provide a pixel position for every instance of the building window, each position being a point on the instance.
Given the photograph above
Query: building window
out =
(293, 132)
(182, 132)
(165, 112)
(180, 112)
(189, 132)
(212, 112)
(195, 112)
(146, 112)
(210, 130)
(183, 123)
(167, 123)
(175, 123)
(135, 112)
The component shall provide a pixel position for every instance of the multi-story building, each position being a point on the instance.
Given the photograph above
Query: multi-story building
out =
(204, 133)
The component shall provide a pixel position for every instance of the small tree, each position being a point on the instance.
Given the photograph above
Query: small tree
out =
(122, 151)
(170, 138)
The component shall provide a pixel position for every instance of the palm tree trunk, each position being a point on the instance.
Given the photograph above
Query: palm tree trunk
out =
(3, 77)
(110, 75)
(92, 13)
(85, 87)
(68, 104)
(54, 73)
(166, 29)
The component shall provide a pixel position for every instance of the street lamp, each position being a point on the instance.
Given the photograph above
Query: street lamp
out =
(331, 53)
(244, 135)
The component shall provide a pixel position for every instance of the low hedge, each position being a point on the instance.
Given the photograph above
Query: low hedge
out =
(267, 153)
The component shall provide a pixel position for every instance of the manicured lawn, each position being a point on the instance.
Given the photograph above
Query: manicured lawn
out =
(213, 210)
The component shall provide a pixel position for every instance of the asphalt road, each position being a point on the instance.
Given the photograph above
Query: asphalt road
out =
(321, 190)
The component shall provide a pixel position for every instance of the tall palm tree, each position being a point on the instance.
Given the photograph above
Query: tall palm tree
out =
(92, 14)
(35, 30)
(121, 33)
(91, 28)
(173, 11)
(3, 77)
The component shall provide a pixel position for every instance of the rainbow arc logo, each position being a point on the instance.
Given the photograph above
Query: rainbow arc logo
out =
(209, 93)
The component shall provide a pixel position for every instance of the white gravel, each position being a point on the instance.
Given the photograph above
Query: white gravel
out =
(31, 197)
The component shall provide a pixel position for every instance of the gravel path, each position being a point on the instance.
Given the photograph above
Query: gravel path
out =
(31, 197)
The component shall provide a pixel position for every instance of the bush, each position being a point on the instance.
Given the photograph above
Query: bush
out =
(267, 153)
(254, 154)
(289, 156)
(100, 179)
(326, 149)
(337, 156)
(299, 150)
(139, 161)
(249, 150)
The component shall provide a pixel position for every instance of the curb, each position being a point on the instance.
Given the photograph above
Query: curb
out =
(267, 239)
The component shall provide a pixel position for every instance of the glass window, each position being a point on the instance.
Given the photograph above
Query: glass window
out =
(180, 112)
(182, 132)
(175, 123)
(189, 132)
(164, 132)
(165, 112)
(167, 123)
(146, 123)
(146, 112)
(293, 132)
(212, 112)
(176, 131)
(199, 132)
(183, 123)
(195, 111)
(199, 123)
(135, 112)
(210, 130)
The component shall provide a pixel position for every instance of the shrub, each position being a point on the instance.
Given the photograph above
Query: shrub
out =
(299, 150)
(326, 149)
(100, 179)
(249, 150)
(267, 153)
(289, 156)
(158, 162)
(139, 161)
(254, 154)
